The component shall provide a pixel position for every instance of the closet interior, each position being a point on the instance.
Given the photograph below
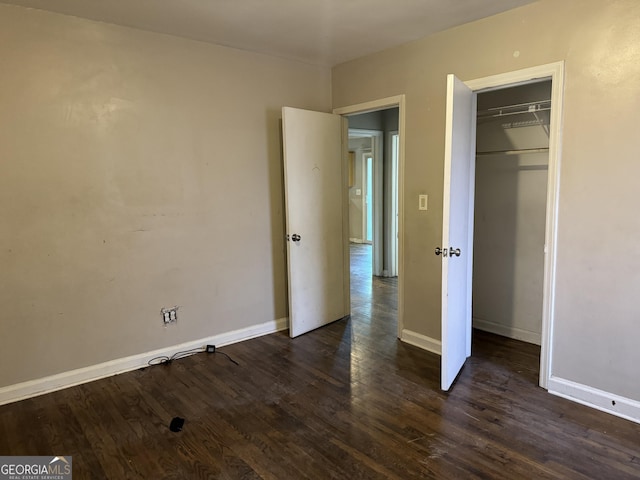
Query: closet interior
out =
(512, 157)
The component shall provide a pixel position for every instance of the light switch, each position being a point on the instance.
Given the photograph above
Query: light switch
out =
(358, 192)
(422, 202)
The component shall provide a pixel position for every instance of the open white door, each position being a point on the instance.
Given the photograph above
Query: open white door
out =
(314, 189)
(457, 229)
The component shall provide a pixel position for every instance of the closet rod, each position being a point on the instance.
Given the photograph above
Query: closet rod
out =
(513, 152)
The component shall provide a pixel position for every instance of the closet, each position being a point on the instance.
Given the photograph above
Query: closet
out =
(512, 156)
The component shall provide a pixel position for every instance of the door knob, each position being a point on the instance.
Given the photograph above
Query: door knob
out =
(295, 237)
(454, 251)
(438, 250)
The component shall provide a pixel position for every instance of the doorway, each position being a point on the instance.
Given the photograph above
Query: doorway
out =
(372, 200)
(316, 210)
(365, 189)
(511, 176)
(368, 198)
(458, 213)
(382, 174)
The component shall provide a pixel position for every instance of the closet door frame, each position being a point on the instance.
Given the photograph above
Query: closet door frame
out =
(555, 73)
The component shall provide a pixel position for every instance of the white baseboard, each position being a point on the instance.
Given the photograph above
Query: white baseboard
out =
(592, 397)
(422, 341)
(507, 331)
(32, 388)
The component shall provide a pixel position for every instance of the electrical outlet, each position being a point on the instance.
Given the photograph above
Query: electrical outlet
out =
(211, 349)
(169, 315)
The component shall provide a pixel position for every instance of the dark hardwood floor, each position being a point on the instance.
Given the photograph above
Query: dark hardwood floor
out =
(347, 401)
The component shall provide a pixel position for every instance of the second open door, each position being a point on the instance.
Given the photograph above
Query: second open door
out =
(315, 187)
(457, 229)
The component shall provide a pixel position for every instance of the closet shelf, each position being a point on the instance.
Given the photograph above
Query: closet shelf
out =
(516, 109)
(525, 123)
(512, 152)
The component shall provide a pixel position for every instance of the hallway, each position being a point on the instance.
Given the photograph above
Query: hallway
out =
(368, 291)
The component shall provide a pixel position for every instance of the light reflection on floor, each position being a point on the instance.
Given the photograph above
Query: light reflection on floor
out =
(373, 319)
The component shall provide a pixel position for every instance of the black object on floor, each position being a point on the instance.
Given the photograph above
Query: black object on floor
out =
(176, 424)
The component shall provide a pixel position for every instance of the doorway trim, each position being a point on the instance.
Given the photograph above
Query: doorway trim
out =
(376, 152)
(372, 106)
(555, 73)
(392, 215)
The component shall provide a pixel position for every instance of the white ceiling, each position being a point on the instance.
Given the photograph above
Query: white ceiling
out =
(323, 32)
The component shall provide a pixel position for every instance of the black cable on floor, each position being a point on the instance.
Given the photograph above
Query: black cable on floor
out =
(230, 359)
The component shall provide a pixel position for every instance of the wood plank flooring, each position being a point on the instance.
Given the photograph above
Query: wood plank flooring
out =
(348, 401)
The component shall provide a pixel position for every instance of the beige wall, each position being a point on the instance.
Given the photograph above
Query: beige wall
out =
(598, 279)
(138, 171)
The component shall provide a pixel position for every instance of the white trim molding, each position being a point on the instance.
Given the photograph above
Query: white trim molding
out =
(599, 399)
(41, 386)
(421, 341)
(372, 106)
